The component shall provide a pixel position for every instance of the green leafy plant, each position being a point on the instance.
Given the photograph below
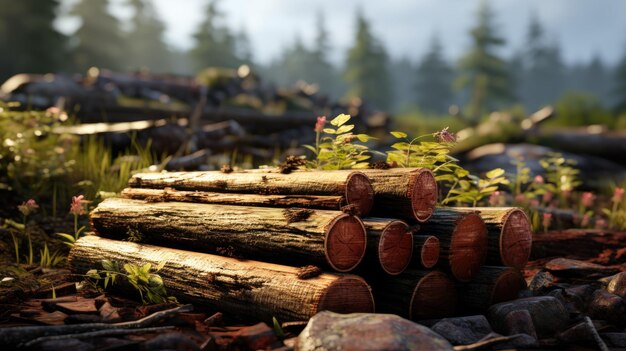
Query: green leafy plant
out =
(77, 208)
(144, 279)
(278, 330)
(337, 149)
(617, 213)
(50, 260)
(476, 189)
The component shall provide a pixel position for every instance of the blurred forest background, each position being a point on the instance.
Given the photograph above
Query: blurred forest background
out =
(482, 79)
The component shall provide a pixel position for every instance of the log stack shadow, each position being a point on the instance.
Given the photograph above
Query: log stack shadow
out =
(265, 244)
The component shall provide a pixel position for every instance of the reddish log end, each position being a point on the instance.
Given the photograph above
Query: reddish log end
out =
(429, 248)
(507, 286)
(347, 295)
(434, 297)
(423, 194)
(516, 239)
(359, 192)
(395, 248)
(468, 247)
(345, 242)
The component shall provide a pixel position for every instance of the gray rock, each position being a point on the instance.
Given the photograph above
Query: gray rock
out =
(463, 330)
(367, 331)
(548, 314)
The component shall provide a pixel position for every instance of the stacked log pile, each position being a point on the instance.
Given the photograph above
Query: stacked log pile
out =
(262, 243)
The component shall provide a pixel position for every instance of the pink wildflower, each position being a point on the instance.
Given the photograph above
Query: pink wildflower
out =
(28, 207)
(319, 126)
(618, 195)
(538, 179)
(547, 219)
(494, 198)
(587, 199)
(78, 205)
(445, 136)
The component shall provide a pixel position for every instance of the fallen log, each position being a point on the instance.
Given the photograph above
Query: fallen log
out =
(389, 244)
(324, 202)
(509, 235)
(415, 294)
(463, 241)
(406, 193)
(580, 244)
(256, 289)
(295, 236)
(490, 286)
(428, 248)
(354, 187)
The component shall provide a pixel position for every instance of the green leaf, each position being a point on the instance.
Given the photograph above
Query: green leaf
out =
(108, 265)
(399, 135)
(277, 328)
(160, 266)
(494, 173)
(361, 165)
(364, 138)
(329, 131)
(345, 128)
(400, 146)
(68, 237)
(309, 147)
(340, 120)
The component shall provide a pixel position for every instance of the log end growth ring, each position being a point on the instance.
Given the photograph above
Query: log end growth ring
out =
(468, 247)
(507, 286)
(516, 239)
(429, 254)
(345, 242)
(359, 192)
(434, 297)
(395, 248)
(423, 195)
(349, 294)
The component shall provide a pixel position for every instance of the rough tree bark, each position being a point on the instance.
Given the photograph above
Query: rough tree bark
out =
(389, 244)
(295, 236)
(354, 187)
(510, 235)
(257, 289)
(406, 193)
(577, 243)
(490, 286)
(426, 251)
(463, 241)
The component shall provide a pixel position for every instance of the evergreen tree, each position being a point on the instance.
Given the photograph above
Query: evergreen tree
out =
(595, 78)
(366, 69)
(434, 80)
(483, 73)
(619, 89)
(28, 41)
(402, 74)
(323, 73)
(543, 80)
(215, 44)
(99, 40)
(243, 49)
(147, 47)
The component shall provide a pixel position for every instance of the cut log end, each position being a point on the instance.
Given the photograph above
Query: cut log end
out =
(507, 286)
(434, 297)
(359, 192)
(349, 294)
(345, 242)
(423, 195)
(429, 253)
(516, 239)
(468, 247)
(395, 248)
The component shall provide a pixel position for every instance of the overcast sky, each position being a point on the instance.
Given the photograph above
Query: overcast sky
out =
(583, 28)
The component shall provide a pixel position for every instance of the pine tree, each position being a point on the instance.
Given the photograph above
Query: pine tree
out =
(28, 41)
(434, 80)
(366, 69)
(619, 88)
(483, 73)
(595, 78)
(323, 72)
(100, 40)
(214, 44)
(147, 47)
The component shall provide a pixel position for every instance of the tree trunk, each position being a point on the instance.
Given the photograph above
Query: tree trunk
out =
(354, 187)
(510, 235)
(407, 193)
(389, 244)
(327, 202)
(415, 294)
(426, 249)
(490, 286)
(257, 289)
(462, 238)
(295, 236)
(577, 243)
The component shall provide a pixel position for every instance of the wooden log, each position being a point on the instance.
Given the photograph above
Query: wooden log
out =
(490, 286)
(577, 243)
(406, 193)
(295, 236)
(509, 235)
(325, 202)
(428, 248)
(389, 244)
(415, 294)
(354, 187)
(257, 289)
(463, 241)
